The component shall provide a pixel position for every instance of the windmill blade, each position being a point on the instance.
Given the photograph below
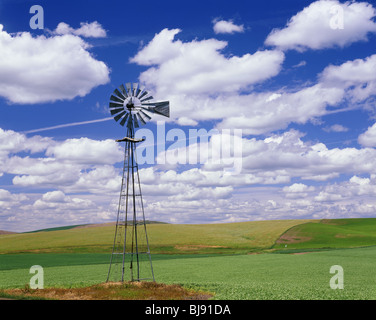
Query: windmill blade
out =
(115, 111)
(162, 108)
(115, 105)
(135, 86)
(141, 119)
(122, 89)
(149, 109)
(118, 117)
(129, 88)
(135, 121)
(114, 98)
(145, 115)
(119, 94)
(143, 95)
(156, 104)
(122, 122)
(139, 91)
(146, 99)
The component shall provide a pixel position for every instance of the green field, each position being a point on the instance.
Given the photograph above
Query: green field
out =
(251, 260)
(262, 276)
(339, 233)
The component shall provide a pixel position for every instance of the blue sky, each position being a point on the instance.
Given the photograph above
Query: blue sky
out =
(298, 78)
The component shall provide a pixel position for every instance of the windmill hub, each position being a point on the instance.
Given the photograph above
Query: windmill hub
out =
(130, 105)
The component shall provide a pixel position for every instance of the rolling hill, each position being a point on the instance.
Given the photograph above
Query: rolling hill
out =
(329, 234)
(239, 237)
(242, 237)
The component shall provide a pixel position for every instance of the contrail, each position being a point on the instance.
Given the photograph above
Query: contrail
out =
(67, 125)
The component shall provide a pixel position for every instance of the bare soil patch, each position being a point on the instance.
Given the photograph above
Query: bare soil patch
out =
(298, 253)
(6, 232)
(114, 291)
(288, 238)
(196, 247)
(333, 222)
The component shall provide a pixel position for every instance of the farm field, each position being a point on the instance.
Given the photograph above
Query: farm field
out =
(240, 277)
(252, 260)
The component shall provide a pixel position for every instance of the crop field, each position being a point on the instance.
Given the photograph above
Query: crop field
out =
(262, 276)
(293, 262)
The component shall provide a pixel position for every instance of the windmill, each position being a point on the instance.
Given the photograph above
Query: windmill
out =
(130, 105)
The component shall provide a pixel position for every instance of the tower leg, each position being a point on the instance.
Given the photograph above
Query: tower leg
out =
(131, 244)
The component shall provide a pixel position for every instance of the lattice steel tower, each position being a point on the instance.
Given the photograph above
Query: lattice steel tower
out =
(131, 105)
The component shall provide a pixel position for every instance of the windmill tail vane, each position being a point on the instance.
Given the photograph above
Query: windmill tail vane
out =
(131, 105)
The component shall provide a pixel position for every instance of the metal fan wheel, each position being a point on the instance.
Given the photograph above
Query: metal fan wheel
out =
(130, 105)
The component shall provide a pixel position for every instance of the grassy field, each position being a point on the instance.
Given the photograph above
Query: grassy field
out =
(250, 260)
(339, 233)
(259, 276)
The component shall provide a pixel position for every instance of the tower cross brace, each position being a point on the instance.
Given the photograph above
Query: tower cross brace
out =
(131, 244)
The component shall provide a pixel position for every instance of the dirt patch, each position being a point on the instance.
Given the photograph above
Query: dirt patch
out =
(298, 253)
(193, 247)
(292, 238)
(333, 222)
(114, 291)
(344, 236)
(6, 232)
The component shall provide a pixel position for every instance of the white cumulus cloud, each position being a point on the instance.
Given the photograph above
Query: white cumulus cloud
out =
(368, 138)
(325, 24)
(204, 84)
(223, 26)
(199, 67)
(87, 30)
(336, 128)
(45, 69)
(357, 76)
(85, 150)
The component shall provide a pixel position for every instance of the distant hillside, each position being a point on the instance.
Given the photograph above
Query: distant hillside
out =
(284, 236)
(86, 226)
(56, 228)
(329, 234)
(242, 237)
